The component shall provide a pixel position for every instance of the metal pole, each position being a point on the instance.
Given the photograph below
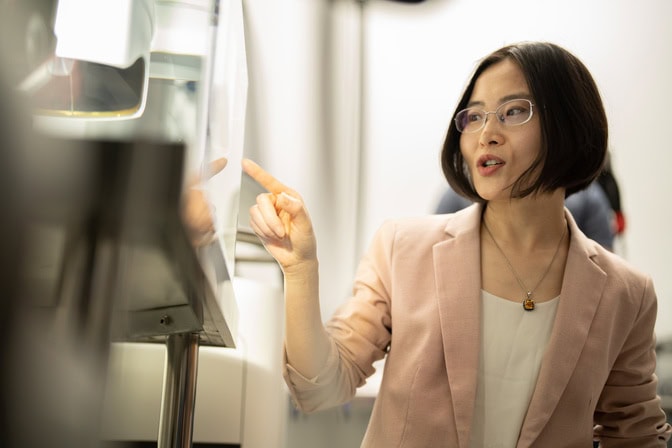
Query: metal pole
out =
(176, 421)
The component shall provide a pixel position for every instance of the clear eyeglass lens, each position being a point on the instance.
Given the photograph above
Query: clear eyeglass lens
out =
(510, 113)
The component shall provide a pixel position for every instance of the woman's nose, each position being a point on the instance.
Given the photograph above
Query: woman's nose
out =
(491, 131)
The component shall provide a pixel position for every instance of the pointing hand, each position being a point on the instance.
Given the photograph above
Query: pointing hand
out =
(281, 221)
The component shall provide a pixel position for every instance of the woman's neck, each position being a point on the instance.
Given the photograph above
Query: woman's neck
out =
(527, 223)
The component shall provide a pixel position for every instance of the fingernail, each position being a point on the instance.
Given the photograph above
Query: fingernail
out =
(291, 198)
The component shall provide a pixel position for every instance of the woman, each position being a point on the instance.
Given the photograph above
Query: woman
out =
(501, 324)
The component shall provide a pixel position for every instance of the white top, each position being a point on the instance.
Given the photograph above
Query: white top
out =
(513, 342)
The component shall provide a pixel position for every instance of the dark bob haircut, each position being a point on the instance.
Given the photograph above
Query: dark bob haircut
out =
(573, 122)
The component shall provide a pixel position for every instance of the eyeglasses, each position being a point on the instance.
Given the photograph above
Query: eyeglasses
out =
(510, 113)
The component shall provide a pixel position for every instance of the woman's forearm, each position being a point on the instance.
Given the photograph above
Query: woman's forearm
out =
(306, 340)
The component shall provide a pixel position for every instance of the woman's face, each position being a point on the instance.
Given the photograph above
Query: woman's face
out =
(497, 154)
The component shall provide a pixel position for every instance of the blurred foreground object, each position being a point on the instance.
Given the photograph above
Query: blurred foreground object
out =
(105, 257)
(109, 113)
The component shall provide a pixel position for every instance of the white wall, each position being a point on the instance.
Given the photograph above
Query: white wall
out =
(417, 60)
(302, 122)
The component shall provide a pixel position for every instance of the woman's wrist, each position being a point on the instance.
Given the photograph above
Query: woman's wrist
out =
(302, 270)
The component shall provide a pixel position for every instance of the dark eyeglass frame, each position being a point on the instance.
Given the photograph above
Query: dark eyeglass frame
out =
(460, 116)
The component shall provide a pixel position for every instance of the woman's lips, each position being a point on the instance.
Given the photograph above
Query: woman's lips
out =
(489, 164)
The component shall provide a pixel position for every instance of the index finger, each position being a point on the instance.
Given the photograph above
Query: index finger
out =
(265, 179)
(216, 166)
(213, 168)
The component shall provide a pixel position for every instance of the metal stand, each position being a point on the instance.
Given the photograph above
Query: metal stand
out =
(176, 421)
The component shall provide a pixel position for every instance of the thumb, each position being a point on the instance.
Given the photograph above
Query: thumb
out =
(295, 208)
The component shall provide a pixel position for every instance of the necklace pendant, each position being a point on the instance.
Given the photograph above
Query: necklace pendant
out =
(528, 303)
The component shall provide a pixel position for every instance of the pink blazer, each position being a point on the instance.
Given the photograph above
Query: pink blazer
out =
(416, 300)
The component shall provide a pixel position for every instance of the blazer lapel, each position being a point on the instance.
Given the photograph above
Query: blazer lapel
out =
(458, 283)
(582, 287)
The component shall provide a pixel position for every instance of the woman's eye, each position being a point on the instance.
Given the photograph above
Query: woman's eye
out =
(474, 116)
(514, 111)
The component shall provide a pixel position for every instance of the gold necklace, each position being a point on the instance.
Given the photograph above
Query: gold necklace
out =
(528, 301)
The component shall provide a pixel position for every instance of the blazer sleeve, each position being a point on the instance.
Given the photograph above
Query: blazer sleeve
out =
(628, 413)
(360, 332)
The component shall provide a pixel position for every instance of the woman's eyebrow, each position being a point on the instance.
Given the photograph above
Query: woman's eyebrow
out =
(475, 103)
(513, 96)
(516, 96)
